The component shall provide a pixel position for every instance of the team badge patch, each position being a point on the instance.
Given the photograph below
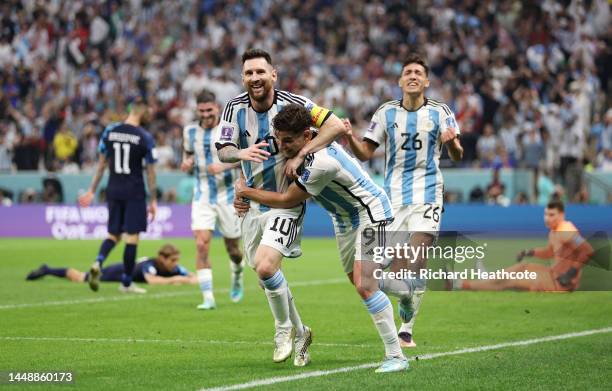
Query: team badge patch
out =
(226, 133)
(450, 123)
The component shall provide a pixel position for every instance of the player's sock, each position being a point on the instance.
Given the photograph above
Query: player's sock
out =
(295, 315)
(381, 311)
(129, 262)
(397, 288)
(57, 272)
(205, 280)
(277, 293)
(417, 297)
(236, 269)
(105, 249)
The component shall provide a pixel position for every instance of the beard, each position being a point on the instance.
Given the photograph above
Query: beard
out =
(263, 95)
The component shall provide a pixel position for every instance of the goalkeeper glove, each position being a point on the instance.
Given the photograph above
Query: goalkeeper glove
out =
(566, 278)
(523, 254)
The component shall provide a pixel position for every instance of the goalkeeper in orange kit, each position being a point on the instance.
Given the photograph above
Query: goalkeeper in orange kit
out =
(565, 245)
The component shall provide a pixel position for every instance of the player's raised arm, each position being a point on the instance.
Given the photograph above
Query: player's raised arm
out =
(450, 136)
(362, 149)
(292, 197)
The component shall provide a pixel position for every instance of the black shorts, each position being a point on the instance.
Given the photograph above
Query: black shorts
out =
(129, 216)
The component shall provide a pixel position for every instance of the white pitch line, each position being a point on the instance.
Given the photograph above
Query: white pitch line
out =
(168, 341)
(306, 375)
(151, 296)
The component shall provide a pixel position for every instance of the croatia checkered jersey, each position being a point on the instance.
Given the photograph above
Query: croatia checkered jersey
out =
(412, 149)
(341, 186)
(241, 126)
(213, 189)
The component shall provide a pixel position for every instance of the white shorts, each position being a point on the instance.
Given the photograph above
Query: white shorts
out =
(350, 243)
(280, 229)
(418, 218)
(204, 216)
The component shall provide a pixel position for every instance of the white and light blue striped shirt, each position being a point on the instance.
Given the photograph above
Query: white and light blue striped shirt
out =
(214, 189)
(341, 186)
(241, 126)
(412, 149)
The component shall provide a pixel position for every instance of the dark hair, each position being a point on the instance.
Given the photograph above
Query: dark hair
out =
(292, 118)
(250, 54)
(556, 205)
(414, 58)
(206, 96)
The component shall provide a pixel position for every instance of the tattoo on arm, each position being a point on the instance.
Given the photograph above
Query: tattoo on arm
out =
(228, 154)
(152, 182)
(99, 173)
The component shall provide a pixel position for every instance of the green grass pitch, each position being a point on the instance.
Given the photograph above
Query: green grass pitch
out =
(160, 341)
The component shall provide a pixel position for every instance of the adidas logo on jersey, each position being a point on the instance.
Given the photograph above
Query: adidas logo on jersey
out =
(280, 240)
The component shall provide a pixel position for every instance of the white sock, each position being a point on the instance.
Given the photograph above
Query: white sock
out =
(236, 270)
(417, 297)
(397, 288)
(381, 311)
(206, 283)
(278, 297)
(295, 315)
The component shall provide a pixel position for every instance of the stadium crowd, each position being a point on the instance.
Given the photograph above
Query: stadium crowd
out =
(529, 81)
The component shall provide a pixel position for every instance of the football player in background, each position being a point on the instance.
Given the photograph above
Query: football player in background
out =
(213, 197)
(164, 269)
(123, 148)
(566, 246)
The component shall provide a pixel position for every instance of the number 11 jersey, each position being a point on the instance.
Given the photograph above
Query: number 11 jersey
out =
(126, 147)
(412, 150)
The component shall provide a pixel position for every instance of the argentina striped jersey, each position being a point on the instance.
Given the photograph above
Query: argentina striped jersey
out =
(339, 184)
(241, 126)
(412, 150)
(214, 189)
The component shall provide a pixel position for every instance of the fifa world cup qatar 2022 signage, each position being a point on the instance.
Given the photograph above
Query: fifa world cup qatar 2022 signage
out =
(73, 222)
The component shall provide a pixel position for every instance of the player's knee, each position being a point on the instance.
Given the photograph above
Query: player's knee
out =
(265, 269)
(115, 237)
(235, 254)
(202, 244)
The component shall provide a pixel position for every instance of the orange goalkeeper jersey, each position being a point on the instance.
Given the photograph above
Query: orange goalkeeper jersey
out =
(564, 241)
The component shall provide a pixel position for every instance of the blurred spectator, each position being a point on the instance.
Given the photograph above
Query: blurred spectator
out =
(5, 153)
(545, 187)
(499, 63)
(486, 146)
(88, 147)
(52, 192)
(165, 152)
(533, 151)
(6, 197)
(496, 191)
(521, 198)
(64, 146)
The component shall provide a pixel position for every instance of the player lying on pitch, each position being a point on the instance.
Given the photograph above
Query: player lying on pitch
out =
(162, 270)
(565, 244)
(356, 204)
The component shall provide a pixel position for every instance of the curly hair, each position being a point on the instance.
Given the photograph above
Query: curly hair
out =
(292, 118)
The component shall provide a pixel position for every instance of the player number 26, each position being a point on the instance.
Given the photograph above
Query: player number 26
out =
(432, 212)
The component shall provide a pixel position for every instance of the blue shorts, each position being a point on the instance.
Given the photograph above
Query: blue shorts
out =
(129, 216)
